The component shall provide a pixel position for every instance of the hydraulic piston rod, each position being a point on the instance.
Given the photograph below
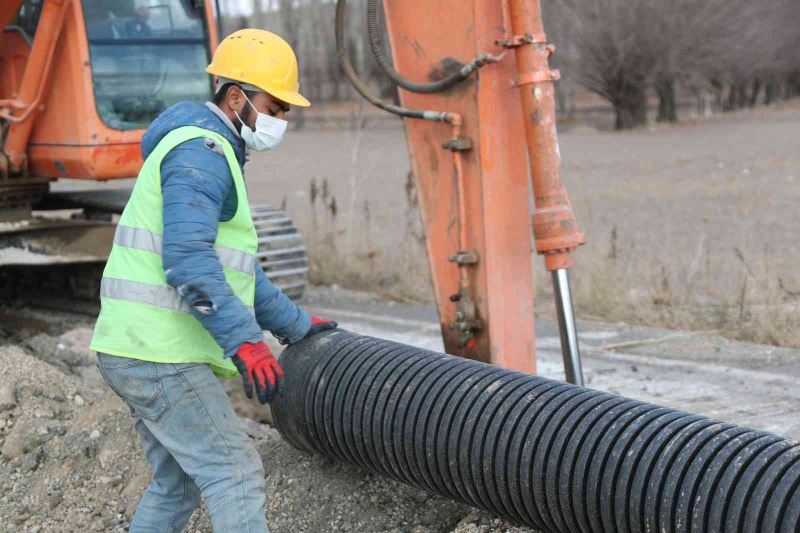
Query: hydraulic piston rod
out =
(570, 350)
(555, 229)
(548, 454)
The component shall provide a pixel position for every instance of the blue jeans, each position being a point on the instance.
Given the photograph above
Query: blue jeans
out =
(195, 444)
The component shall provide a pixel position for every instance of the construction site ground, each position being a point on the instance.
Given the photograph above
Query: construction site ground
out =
(72, 462)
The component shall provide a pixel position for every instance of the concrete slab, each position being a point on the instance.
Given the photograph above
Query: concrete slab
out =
(742, 383)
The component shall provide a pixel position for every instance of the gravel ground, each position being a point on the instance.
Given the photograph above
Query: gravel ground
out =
(71, 460)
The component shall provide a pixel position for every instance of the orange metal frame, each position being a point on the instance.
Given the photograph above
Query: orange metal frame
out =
(489, 181)
(56, 131)
(475, 203)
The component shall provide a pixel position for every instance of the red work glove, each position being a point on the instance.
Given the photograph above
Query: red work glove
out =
(258, 366)
(318, 325)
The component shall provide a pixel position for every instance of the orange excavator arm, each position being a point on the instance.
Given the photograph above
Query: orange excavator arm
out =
(480, 119)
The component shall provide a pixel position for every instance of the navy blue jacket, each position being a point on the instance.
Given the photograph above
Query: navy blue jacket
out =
(198, 193)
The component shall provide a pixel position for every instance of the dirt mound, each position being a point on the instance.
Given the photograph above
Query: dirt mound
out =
(71, 461)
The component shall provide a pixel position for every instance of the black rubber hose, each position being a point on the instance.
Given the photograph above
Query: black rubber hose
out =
(361, 87)
(547, 454)
(376, 45)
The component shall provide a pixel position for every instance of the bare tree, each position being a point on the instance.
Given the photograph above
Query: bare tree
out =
(735, 47)
(617, 53)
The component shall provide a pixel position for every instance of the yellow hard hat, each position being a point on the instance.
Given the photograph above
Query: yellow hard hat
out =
(261, 59)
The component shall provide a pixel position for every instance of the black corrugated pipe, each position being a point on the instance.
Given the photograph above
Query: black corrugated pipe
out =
(554, 456)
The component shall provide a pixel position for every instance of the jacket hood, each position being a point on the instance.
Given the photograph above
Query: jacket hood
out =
(189, 114)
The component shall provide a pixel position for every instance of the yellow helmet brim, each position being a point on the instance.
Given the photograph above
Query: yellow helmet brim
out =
(290, 97)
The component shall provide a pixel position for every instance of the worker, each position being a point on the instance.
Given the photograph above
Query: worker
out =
(184, 299)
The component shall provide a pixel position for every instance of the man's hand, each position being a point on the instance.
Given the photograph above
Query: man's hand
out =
(258, 366)
(318, 325)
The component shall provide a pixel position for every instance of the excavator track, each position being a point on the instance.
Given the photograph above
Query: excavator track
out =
(64, 257)
(45, 257)
(281, 250)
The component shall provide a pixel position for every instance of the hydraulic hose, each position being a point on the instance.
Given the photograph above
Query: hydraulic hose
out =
(540, 452)
(363, 90)
(376, 45)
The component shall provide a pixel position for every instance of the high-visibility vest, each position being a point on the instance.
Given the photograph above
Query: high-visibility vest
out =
(141, 316)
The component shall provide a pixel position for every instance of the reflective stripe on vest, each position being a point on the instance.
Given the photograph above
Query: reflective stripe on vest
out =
(144, 293)
(142, 239)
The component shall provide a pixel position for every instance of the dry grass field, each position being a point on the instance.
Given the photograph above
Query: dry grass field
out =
(690, 226)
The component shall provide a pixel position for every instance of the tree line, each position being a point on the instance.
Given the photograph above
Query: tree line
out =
(724, 54)
(729, 54)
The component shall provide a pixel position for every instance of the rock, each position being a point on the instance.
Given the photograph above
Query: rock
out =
(8, 396)
(30, 462)
(43, 412)
(107, 455)
(54, 501)
(54, 395)
(94, 435)
(420, 496)
(79, 401)
(471, 518)
(13, 447)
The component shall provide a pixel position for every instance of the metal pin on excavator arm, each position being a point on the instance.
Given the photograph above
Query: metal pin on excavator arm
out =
(500, 111)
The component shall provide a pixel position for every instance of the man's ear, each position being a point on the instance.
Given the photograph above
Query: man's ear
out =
(233, 97)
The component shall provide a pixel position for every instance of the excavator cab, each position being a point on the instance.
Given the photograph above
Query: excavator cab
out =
(113, 66)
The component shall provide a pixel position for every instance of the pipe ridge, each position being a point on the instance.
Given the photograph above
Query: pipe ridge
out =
(556, 497)
(625, 446)
(658, 483)
(430, 433)
(701, 467)
(394, 402)
(405, 451)
(450, 441)
(746, 483)
(343, 407)
(482, 460)
(697, 471)
(505, 439)
(331, 393)
(605, 447)
(548, 418)
(733, 474)
(642, 482)
(382, 409)
(586, 456)
(775, 481)
(366, 378)
(318, 370)
(472, 417)
(517, 448)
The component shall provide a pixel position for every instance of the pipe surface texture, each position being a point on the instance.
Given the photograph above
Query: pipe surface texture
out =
(554, 456)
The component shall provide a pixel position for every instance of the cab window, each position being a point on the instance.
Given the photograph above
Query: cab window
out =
(146, 55)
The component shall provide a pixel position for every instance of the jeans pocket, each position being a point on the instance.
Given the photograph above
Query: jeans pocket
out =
(137, 383)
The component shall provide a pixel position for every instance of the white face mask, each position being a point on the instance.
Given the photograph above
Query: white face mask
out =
(269, 130)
